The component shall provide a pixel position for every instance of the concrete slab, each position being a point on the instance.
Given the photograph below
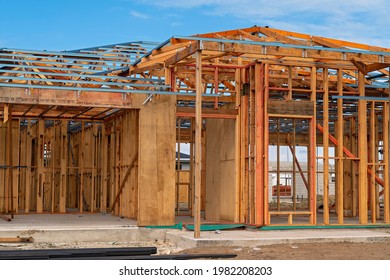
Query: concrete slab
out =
(250, 238)
(98, 228)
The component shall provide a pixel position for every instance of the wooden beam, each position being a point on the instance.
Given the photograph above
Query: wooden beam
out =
(64, 97)
(81, 167)
(372, 160)
(339, 151)
(16, 239)
(40, 153)
(198, 143)
(312, 150)
(10, 175)
(188, 112)
(182, 54)
(299, 167)
(324, 42)
(326, 147)
(29, 153)
(386, 161)
(362, 152)
(279, 37)
(264, 84)
(104, 179)
(287, 52)
(260, 143)
(63, 162)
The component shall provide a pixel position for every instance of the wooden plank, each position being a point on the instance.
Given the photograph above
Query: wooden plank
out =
(40, 164)
(386, 158)
(237, 148)
(259, 146)
(279, 51)
(312, 150)
(182, 54)
(81, 167)
(28, 155)
(279, 37)
(198, 143)
(63, 163)
(64, 98)
(372, 161)
(10, 173)
(290, 107)
(362, 152)
(326, 147)
(156, 167)
(3, 161)
(264, 72)
(16, 239)
(244, 159)
(251, 144)
(104, 164)
(294, 175)
(118, 158)
(339, 151)
(290, 84)
(94, 163)
(178, 163)
(355, 174)
(213, 174)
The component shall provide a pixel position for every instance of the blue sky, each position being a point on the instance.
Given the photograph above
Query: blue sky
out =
(70, 24)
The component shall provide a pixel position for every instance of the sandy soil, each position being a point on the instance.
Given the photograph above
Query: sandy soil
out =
(304, 251)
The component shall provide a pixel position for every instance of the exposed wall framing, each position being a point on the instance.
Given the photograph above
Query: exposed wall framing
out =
(282, 127)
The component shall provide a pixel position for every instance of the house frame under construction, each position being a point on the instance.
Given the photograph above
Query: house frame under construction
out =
(96, 130)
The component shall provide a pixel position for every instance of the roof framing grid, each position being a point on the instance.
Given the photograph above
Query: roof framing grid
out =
(276, 47)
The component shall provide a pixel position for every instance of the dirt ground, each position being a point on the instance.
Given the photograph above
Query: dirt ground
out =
(301, 251)
(304, 251)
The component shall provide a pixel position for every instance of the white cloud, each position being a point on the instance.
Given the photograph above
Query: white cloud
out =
(139, 15)
(359, 20)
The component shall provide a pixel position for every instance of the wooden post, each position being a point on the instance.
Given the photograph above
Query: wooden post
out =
(94, 166)
(340, 153)
(251, 163)
(178, 167)
(9, 175)
(294, 180)
(264, 72)
(244, 158)
(113, 162)
(354, 144)
(372, 185)
(326, 147)
(28, 169)
(41, 152)
(290, 83)
(362, 151)
(63, 162)
(81, 166)
(52, 163)
(104, 181)
(191, 191)
(259, 145)
(277, 165)
(312, 149)
(237, 146)
(198, 143)
(386, 158)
